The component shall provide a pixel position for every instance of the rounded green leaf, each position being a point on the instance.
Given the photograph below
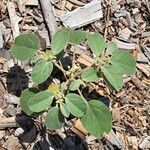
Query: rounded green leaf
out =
(26, 95)
(124, 62)
(64, 110)
(41, 101)
(96, 43)
(25, 46)
(89, 75)
(60, 40)
(75, 85)
(97, 119)
(76, 37)
(54, 119)
(41, 71)
(111, 47)
(113, 76)
(76, 105)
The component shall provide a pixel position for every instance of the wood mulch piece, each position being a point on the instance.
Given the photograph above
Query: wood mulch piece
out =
(127, 23)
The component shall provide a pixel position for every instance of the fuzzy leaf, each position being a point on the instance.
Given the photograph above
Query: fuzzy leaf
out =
(54, 119)
(60, 40)
(89, 75)
(75, 85)
(97, 119)
(75, 104)
(111, 47)
(41, 101)
(26, 95)
(64, 110)
(41, 71)
(124, 62)
(113, 76)
(96, 43)
(76, 37)
(25, 46)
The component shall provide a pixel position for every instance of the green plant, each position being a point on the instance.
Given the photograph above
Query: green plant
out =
(62, 100)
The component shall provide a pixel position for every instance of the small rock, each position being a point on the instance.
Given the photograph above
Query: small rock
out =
(19, 131)
(11, 99)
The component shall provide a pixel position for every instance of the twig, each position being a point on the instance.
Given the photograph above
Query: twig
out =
(13, 19)
(106, 21)
(148, 5)
(49, 16)
(60, 67)
(13, 122)
(1, 37)
(109, 3)
(138, 83)
(26, 12)
(63, 69)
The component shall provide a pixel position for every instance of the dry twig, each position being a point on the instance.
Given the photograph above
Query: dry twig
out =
(48, 13)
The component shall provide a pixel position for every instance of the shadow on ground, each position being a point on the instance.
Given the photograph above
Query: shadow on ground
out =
(71, 142)
(17, 80)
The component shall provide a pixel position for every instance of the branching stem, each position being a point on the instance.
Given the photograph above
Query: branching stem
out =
(59, 67)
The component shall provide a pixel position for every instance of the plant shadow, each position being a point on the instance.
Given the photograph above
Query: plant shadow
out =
(54, 141)
(94, 95)
(17, 80)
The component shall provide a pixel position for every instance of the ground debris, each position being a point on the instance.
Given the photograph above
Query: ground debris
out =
(126, 22)
(83, 16)
(12, 143)
(145, 144)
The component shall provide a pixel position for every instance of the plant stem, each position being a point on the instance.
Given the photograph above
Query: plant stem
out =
(82, 95)
(82, 70)
(63, 69)
(59, 67)
(73, 59)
